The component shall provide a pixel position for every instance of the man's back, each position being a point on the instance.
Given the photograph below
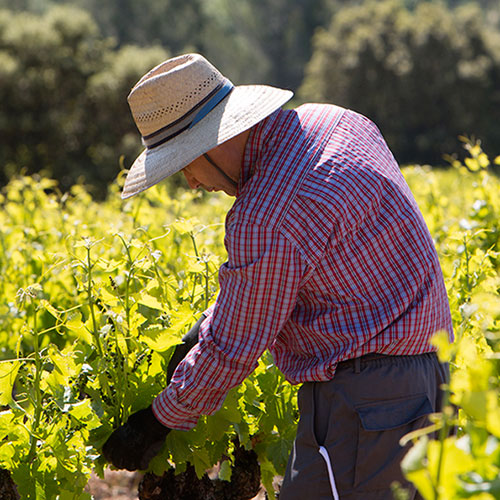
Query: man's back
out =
(324, 179)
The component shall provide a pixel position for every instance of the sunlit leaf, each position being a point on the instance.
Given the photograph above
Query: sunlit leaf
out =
(158, 338)
(184, 226)
(148, 300)
(8, 374)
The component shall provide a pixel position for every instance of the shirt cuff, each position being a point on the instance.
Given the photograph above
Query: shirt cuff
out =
(172, 414)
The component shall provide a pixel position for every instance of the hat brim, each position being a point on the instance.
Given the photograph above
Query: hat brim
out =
(245, 106)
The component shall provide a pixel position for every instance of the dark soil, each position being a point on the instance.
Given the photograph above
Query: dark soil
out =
(116, 485)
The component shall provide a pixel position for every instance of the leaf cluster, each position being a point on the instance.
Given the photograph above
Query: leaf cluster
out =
(97, 296)
(462, 208)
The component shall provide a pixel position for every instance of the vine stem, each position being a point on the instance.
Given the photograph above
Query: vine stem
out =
(124, 356)
(206, 271)
(206, 285)
(95, 332)
(194, 244)
(467, 274)
(38, 392)
(127, 282)
(193, 240)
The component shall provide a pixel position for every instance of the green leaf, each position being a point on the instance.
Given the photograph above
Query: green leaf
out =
(217, 426)
(108, 298)
(178, 443)
(268, 473)
(76, 325)
(8, 374)
(84, 413)
(159, 464)
(150, 301)
(157, 338)
(6, 418)
(279, 449)
(201, 461)
(225, 471)
(183, 226)
(230, 410)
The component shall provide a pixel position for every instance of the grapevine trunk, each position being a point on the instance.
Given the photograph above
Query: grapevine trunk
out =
(244, 485)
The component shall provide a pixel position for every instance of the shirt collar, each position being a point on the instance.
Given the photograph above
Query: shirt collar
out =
(254, 148)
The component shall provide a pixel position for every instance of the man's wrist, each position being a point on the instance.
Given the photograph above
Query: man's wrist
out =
(172, 415)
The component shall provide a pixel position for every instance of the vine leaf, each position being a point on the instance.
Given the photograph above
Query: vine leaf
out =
(8, 374)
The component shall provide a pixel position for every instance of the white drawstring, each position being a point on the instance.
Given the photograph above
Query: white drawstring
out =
(324, 454)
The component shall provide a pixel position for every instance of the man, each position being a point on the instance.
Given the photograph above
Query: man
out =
(330, 266)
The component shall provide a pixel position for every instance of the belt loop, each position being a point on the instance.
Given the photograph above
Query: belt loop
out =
(357, 365)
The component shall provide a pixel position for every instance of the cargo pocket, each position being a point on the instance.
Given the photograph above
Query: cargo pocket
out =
(381, 426)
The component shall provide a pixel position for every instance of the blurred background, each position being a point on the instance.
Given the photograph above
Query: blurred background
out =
(425, 72)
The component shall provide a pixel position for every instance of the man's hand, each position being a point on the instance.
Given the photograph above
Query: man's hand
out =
(134, 444)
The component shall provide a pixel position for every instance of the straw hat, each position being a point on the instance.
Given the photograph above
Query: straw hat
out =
(185, 107)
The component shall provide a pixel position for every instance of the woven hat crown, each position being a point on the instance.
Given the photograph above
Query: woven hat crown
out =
(171, 90)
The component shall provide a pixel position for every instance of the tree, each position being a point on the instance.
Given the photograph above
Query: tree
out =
(176, 25)
(258, 41)
(63, 90)
(424, 77)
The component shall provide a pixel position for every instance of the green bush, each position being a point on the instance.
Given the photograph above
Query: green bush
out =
(424, 77)
(63, 90)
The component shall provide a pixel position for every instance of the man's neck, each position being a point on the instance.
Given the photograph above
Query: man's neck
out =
(229, 155)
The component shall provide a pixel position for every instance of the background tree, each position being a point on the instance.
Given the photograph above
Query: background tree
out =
(424, 77)
(423, 73)
(63, 91)
(176, 25)
(252, 40)
(259, 41)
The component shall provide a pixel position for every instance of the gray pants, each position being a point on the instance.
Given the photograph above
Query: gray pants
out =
(358, 419)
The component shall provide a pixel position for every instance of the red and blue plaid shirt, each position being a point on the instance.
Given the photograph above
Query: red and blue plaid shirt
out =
(329, 258)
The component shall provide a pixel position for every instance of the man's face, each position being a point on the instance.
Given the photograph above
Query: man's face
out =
(201, 174)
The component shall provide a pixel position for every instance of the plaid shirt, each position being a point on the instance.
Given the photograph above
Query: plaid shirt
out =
(329, 258)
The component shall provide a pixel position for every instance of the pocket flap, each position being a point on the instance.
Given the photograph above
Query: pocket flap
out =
(393, 413)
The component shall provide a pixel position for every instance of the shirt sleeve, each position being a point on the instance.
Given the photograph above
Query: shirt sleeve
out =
(258, 290)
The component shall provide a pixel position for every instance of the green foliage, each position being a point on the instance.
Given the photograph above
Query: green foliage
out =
(424, 77)
(96, 295)
(253, 41)
(63, 91)
(463, 208)
(170, 23)
(269, 42)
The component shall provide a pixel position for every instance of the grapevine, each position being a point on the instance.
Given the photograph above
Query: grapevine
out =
(96, 295)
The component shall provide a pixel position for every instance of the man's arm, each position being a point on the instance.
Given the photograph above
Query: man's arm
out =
(258, 291)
